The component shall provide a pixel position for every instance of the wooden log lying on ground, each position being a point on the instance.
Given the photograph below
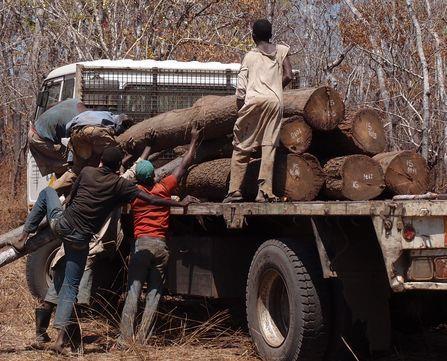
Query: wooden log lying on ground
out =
(296, 178)
(353, 177)
(406, 172)
(321, 107)
(360, 132)
(42, 237)
(295, 134)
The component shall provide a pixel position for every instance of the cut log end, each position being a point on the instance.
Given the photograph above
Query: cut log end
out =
(406, 172)
(367, 131)
(295, 134)
(325, 109)
(354, 177)
(298, 177)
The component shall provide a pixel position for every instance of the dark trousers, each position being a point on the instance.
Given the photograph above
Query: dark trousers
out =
(148, 260)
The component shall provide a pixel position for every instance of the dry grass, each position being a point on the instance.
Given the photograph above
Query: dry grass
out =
(177, 336)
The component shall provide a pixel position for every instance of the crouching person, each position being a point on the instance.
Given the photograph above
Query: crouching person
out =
(149, 254)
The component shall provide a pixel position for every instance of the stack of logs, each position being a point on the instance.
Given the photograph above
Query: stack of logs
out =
(351, 145)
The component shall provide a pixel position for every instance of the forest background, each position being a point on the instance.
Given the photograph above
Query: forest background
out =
(388, 55)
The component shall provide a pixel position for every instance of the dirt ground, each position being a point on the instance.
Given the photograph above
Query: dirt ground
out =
(179, 340)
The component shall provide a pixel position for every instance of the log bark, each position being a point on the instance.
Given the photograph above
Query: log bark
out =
(295, 134)
(360, 132)
(353, 177)
(406, 172)
(322, 108)
(296, 178)
(220, 148)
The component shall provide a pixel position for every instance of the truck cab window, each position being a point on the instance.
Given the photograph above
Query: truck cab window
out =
(68, 89)
(54, 90)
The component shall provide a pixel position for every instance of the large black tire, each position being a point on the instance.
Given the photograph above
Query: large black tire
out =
(288, 303)
(38, 272)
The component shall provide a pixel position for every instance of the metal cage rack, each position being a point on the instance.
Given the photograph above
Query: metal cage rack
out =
(143, 93)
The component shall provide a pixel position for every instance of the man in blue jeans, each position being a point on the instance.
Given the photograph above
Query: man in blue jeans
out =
(95, 192)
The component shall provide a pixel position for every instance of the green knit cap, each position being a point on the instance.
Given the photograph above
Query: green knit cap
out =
(145, 172)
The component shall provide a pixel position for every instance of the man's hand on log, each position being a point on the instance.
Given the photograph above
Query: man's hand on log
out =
(150, 136)
(185, 202)
(148, 139)
(196, 132)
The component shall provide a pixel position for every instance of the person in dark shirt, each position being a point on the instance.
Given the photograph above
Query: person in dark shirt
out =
(95, 192)
(45, 136)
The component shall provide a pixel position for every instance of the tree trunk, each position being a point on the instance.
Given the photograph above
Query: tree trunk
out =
(361, 132)
(321, 107)
(353, 177)
(296, 178)
(405, 172)
(426, 82)
(295, 134)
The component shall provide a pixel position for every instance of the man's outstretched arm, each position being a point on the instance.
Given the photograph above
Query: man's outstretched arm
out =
(165, 202)
(179, 172)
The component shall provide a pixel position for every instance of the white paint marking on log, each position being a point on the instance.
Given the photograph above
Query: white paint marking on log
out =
(6, 255)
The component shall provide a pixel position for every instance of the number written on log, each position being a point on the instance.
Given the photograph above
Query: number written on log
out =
(411, 169)
(294, 171)
(296, 134)
(355, 185)
(371, 131)
(368, 176)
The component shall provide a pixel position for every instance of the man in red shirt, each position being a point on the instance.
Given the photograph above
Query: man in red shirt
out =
(150, 253)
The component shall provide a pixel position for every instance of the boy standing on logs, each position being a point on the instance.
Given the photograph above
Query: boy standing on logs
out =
(149, 255)
(265, 71)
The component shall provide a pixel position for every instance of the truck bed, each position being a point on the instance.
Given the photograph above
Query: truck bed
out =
(409, 208)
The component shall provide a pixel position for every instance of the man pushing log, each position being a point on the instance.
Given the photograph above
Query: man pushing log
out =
(264, 72)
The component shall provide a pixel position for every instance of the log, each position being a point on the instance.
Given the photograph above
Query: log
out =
(9, 254)
(360, 132)
(220, 148)
(406, 172)
(321, 107)
(353, 177)
(296, 178)
(295, 134)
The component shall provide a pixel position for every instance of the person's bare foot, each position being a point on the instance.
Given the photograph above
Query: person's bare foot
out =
(20, 242)
(264, 198)
(233, 197)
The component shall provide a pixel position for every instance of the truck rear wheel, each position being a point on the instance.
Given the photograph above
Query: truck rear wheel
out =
(287, 303)
(38, 268)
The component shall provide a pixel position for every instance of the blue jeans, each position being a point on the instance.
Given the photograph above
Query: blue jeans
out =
(76, 245)
(148, 260)
(47, 204)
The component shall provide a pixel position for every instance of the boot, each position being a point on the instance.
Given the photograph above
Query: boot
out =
(43, 317)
